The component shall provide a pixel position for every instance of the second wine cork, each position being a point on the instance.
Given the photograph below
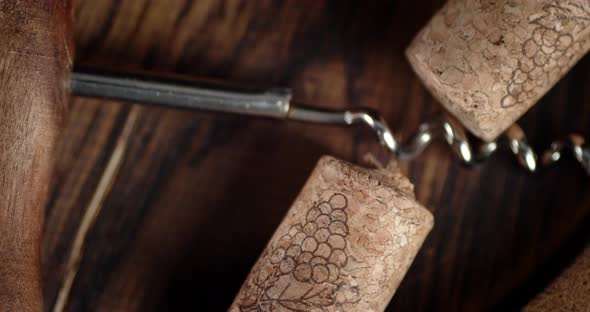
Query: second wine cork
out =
(345, 244)
(569, 292)
(488, 62)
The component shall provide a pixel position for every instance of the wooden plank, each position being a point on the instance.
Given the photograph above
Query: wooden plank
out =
(198, 195)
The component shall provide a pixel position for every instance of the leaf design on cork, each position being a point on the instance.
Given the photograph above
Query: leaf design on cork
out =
(549, 52)
(302, 271)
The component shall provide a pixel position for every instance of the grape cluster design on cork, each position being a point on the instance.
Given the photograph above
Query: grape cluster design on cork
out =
(313, 253)
(315, 250)
(549, 52)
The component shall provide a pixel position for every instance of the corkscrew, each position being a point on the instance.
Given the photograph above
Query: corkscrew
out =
(277, 103)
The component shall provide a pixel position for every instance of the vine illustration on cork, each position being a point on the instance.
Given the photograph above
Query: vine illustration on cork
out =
(302, 271)
(550, 50)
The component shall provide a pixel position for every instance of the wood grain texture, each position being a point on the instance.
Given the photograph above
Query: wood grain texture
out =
(199, 195)
(35, 61)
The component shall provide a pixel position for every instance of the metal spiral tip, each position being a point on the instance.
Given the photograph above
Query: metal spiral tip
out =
(576, 144)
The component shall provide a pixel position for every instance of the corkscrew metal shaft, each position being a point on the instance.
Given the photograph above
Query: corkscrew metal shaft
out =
(276, 103)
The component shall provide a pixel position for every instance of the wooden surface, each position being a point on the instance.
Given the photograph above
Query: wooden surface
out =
(34, 67)
(198, 195)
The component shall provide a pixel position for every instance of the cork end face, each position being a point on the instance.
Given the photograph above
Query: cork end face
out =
(488, 63)
(465, 108)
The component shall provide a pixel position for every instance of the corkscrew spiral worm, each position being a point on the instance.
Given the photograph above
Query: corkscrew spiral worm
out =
(449, 130)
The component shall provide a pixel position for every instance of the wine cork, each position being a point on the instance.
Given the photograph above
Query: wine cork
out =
(344, 245)
(569, 292)
(488, 62)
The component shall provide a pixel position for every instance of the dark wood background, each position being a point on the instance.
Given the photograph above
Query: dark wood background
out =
(199, 194)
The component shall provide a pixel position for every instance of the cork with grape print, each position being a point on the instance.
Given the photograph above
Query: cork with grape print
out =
(488, 62)
(345, 244)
